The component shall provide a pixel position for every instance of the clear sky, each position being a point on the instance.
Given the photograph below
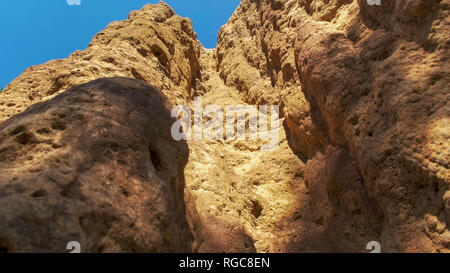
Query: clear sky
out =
(35, 31)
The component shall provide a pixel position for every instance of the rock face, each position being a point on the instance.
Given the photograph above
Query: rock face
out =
(375, 104)
(364, 146)
(154, 45)
(96, 165)
(243, 198)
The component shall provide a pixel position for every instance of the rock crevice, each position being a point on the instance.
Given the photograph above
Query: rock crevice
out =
(86, 152)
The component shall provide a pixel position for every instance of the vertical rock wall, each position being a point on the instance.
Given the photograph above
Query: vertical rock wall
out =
(364, 150)
(373, 101)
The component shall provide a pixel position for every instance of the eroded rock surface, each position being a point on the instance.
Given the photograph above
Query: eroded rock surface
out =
(375, 103)
(96, 165)
(364, 143)
(244, 196)
(153, 45)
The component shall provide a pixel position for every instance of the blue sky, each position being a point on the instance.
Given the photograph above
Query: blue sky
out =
(35, 31)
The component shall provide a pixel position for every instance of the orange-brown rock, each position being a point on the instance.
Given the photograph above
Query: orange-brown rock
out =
(154, 45)
(96, 165)
(375, 104)
(363, 155)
